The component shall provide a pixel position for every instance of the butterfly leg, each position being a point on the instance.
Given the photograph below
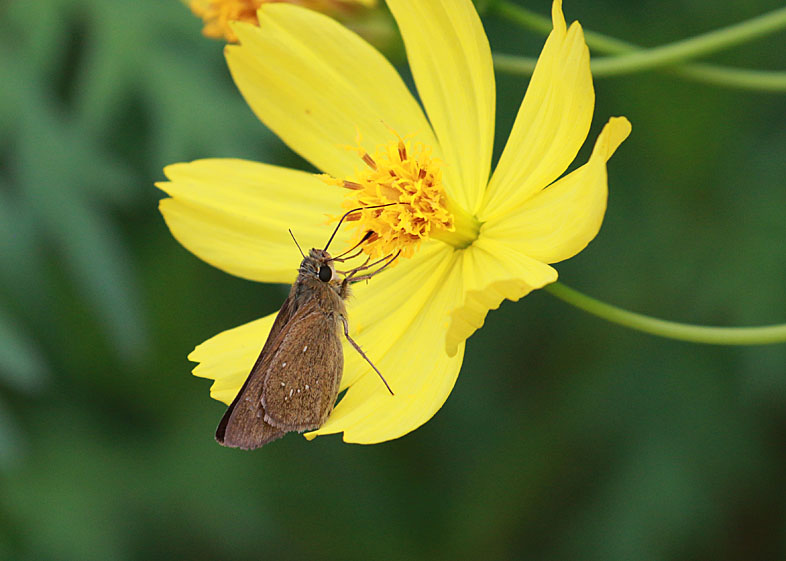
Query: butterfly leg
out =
(358, 349)
(351, 276)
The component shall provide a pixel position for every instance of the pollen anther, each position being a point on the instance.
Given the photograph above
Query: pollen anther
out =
(369, 161)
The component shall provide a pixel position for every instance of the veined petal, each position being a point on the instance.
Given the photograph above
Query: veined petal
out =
(416, 366)
(492, 269)
(562, 219)
(451, 62)
(317, 85)
(551, 124)
(228, 357)
(234, 214)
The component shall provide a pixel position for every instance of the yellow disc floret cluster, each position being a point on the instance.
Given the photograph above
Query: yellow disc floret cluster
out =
(404, 173)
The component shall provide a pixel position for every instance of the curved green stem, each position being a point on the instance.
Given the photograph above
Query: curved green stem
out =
(759, 80)
(512, 64)
(693, 47)
(764, 335)
(634, 58)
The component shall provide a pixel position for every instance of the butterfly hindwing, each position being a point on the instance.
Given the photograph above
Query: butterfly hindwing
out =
(304, 374)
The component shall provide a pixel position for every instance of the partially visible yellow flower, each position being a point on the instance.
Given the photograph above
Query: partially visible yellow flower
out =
(470, 241)
(218, 13)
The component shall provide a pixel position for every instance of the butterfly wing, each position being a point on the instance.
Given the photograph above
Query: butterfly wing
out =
(243, 425)
(304, 374)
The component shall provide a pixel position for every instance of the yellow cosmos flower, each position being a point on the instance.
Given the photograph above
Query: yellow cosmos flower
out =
(217, 14)
(472, 241)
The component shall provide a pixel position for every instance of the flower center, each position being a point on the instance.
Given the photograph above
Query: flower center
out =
(407, 177)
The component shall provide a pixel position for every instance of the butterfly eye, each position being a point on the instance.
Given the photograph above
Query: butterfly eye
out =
(325, 273)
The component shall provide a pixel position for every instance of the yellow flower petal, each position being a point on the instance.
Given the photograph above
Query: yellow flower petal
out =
(508, 260)
(228, 357)
(552, 123)
(316, 85)
(417, 368)
(451, 62)
(562, 219)
(234, 214)
(492, 270)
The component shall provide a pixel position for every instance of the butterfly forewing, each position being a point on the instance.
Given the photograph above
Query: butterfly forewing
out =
(243, 424)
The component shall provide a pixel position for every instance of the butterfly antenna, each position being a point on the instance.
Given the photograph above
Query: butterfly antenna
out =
(297, 244)
(347, 214)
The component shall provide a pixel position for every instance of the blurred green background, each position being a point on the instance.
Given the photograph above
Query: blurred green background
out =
(565, 437)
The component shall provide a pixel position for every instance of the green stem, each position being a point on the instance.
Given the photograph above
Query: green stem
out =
(512, 64)
(634, 58)
(764, 335)
(759, 80)
(694, 47)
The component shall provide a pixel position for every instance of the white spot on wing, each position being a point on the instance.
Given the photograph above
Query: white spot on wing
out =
(305, 348)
